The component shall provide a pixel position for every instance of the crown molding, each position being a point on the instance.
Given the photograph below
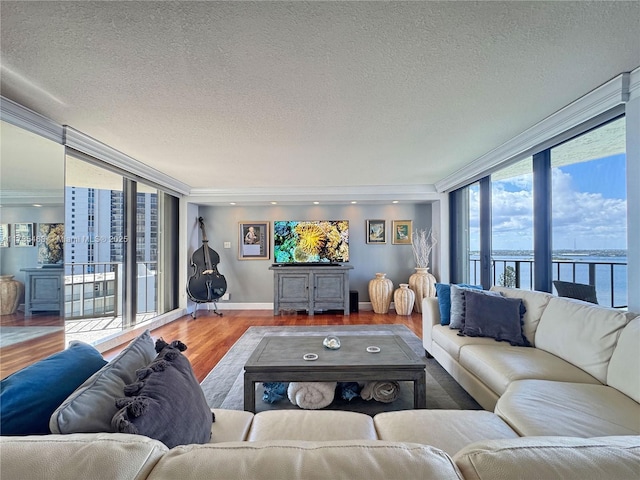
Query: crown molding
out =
(306, 195)
(15, 114)
(22, 198)
(81, 142)
(634, 84)
(597, 102)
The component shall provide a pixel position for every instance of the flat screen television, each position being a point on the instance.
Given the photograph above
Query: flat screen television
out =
(320, 241)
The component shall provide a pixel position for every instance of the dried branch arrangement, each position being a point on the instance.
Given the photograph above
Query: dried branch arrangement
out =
(422, 244)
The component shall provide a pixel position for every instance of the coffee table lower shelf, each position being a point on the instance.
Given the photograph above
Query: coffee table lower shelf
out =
(279, 359)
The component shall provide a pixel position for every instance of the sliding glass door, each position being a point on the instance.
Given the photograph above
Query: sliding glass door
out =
(121, 248)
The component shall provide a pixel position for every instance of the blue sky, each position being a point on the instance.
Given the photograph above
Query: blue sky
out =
(589, 208)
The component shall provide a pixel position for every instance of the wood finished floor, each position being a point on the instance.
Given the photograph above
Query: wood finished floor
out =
(208, 337)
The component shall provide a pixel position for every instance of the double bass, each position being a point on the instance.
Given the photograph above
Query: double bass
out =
(206, 284)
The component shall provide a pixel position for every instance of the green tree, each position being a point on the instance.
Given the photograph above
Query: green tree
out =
(508, 278)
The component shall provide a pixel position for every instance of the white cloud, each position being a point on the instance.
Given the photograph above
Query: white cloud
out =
(581, 219)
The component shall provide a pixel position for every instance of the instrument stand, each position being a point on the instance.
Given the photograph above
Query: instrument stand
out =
(215, 309)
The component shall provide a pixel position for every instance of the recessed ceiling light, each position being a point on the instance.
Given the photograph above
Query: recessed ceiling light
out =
(316, 203)
(354, 202)
(274, 203)
(395, 201)
(37, 205)
(232, 203)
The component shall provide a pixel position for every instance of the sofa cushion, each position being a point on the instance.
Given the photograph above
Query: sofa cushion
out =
(534, 302)
(354, 459)
(29, 396)
(494, 316)
(314, 425)
(80, 455)
(448, 430)
(498, 367)
(443, 293)
(458, 304)
(543, 407)
(537, 458)
(452, 343)
(581, 333)
(624, 368)
(91, 406)
(166, 403)
(230, 425)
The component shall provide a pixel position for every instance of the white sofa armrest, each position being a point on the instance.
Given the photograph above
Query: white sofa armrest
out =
(430, 317)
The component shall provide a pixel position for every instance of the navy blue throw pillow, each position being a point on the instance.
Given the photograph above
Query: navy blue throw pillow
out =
(497, 317)
(167, 402)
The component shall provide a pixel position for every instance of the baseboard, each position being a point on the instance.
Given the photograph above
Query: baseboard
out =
(258, 306)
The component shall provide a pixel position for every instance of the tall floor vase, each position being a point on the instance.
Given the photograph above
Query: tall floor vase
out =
(423, 285)
(380, 293)
(10, 291)
(403, 299)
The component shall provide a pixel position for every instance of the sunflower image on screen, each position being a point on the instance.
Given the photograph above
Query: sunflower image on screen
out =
(325, 241)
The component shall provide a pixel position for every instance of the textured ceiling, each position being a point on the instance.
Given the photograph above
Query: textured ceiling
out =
(230, 95)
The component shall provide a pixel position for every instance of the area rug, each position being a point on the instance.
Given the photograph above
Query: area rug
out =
(224, 385)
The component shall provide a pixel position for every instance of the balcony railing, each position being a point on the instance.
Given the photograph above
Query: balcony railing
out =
(92, 290)
(609, 278)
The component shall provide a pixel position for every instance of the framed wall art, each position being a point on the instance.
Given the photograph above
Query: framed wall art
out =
(5, 235)
(376, 231)
(253, 238)
(50, 243)
(24, 234)
(402, 232)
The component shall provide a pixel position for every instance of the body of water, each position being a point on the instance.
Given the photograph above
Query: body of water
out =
(610, 272)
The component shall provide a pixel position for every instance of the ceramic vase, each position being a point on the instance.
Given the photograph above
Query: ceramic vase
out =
(380, 293)
(404, 299)
(423, 285)
(10, 291)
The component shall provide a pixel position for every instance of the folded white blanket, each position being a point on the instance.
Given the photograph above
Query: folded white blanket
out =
(383, 391)
(311, 395)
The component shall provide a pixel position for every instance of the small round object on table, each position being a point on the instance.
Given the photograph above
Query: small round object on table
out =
(373, 349)
(310, 356)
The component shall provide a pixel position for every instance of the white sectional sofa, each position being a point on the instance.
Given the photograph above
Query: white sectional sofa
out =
(565, 408)
(580, 377)
(307, 445)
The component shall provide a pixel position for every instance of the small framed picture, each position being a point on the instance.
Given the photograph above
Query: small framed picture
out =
(402, 232)
(5, 235)
(253, 240)
(376, 231)
(24, 234)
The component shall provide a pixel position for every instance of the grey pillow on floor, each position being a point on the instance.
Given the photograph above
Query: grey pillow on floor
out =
(91, 406)
(167, 402)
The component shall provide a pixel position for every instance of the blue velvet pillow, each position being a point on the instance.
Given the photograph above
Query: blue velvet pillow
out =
(443, 292)
(497, 317)
(29, 396)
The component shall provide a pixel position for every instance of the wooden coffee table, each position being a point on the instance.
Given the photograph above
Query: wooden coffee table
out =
(280, 359)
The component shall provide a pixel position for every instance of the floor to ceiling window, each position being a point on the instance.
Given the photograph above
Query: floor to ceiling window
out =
(583, 213)
(589, 211)
(512, 225)
(113, 266)
(465, 222)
